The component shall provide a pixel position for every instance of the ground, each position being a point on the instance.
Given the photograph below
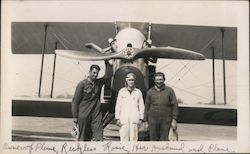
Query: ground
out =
(28, 128)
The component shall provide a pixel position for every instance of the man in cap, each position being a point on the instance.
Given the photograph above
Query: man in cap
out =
(129, 110)
(113, 45)
(161, 109)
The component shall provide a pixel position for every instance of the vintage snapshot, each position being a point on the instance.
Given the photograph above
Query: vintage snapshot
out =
(125, 77)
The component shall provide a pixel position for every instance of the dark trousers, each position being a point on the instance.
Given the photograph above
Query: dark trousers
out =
(91, 128)
(159, 126)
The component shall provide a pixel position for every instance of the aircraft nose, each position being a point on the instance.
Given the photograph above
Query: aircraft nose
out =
(129, 37)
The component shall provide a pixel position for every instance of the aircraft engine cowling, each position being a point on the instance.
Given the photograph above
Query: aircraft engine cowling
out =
(129, 36)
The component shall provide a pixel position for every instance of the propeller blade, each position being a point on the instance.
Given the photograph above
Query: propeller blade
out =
(88, 55)
(132, 54)
(168, 52)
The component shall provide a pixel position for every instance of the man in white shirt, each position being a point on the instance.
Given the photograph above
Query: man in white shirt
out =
(129, 110)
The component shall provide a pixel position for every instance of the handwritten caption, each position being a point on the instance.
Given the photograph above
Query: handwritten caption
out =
(111, 147)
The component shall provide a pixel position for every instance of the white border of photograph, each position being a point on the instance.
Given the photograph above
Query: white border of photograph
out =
(211, 13)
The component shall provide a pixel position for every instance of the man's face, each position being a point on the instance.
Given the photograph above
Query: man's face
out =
(159, 81)
(114, 46)
(93, 74)
(130, 82)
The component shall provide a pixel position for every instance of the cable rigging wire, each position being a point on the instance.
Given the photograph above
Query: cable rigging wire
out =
(176, 74)
(167, 65)
(201, 51)
(188, 70)
(192, 93)
(61, 39)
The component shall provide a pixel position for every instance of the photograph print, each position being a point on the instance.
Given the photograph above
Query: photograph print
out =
(125, 71)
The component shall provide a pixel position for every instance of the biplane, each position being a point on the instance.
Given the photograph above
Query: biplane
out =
(132, 46)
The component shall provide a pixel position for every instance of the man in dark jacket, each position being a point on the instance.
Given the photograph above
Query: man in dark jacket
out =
(86, 106)
(161, 109)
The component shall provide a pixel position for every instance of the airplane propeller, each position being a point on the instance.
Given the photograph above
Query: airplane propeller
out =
(130, 53)
(88, 55)
(168, 52)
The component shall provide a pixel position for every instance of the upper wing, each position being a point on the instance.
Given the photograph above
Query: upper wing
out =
(88, 55)
(168, 52)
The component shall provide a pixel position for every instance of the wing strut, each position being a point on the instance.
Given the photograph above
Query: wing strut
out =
(224, 66)
(43, 52)
(53, 75)
(149, 34)
(213, 66)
